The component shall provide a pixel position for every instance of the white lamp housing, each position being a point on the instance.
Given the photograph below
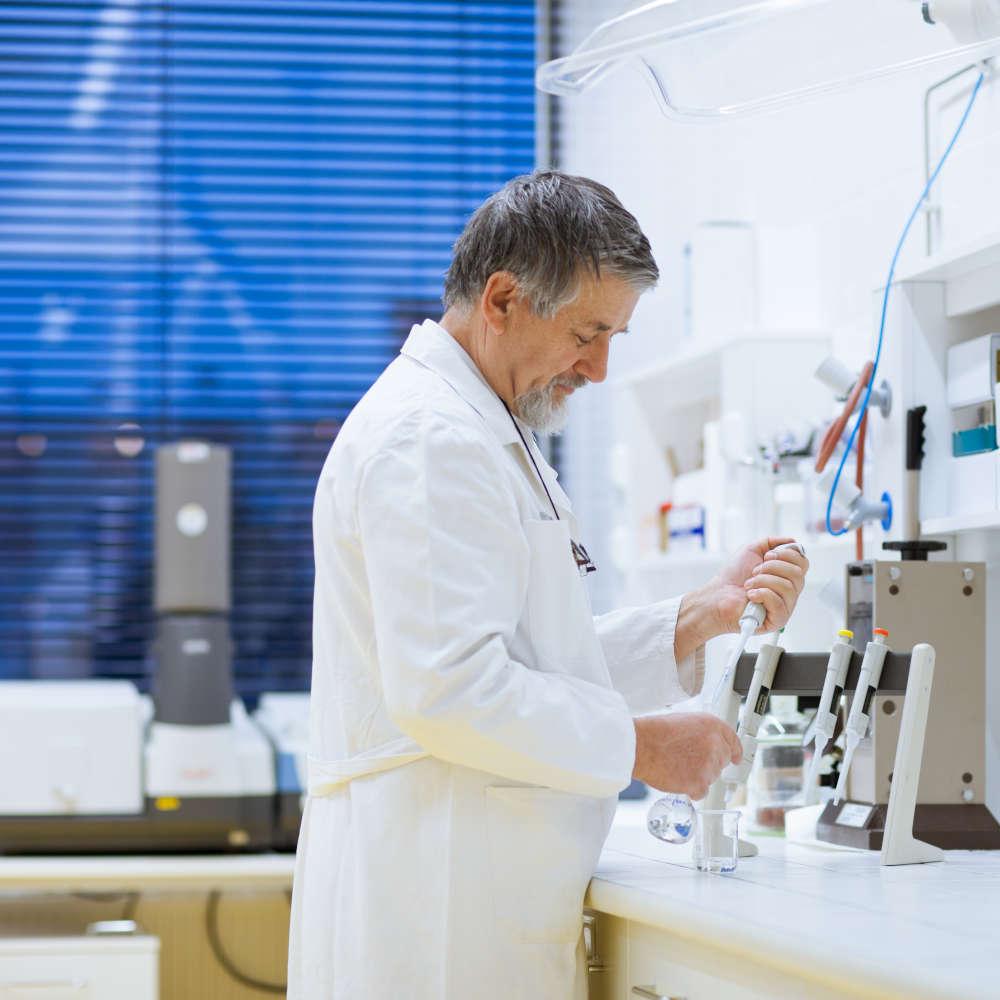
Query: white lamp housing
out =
(711, 59)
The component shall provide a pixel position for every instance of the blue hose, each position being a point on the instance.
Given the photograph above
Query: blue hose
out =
(885, 303)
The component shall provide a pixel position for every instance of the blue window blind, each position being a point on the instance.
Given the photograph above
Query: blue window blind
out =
(217, 221)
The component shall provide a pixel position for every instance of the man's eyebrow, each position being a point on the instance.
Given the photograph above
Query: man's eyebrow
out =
(603, 327)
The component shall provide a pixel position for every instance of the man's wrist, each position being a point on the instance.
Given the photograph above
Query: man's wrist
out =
(697, 622)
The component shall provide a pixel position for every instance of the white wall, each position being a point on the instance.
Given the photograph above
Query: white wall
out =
(828, 184)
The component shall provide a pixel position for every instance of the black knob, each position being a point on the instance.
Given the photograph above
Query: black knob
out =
(915, 437)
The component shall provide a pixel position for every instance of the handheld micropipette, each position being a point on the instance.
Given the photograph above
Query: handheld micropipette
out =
(860, 716)
(671, 818)
(753, 715)
(825, 722)
(752, 618)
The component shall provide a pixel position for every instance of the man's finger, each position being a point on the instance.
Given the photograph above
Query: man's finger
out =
(775, 594)
(770, 544)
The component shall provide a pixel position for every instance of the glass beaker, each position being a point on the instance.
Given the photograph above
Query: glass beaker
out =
(716, 840)
(776, 782)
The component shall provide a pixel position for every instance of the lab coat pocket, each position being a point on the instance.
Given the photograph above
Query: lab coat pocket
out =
(559, 617)
(543, 847)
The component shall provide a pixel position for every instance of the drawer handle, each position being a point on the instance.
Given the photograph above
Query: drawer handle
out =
(649, 993)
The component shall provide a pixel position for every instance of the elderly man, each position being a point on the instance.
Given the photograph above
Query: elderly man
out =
(472, 722)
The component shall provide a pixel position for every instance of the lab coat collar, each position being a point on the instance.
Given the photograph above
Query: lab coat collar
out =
(432, 346)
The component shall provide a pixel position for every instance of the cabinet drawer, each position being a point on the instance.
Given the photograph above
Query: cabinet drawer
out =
(687, 970)
(79, 968)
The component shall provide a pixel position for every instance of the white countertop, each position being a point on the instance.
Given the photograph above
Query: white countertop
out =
(132, 873)
(921, 931)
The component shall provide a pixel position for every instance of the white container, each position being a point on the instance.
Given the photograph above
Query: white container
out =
(80, 968)
(972, 371)
(77, 744)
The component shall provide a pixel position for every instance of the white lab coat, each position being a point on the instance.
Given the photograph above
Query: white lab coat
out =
(471, 721)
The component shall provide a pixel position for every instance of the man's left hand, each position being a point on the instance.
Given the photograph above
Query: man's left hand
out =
(762, 573)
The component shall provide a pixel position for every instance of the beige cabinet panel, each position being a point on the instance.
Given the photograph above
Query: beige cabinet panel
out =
(634, 954)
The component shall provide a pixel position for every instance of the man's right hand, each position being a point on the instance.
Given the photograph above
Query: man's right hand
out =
(685, 752)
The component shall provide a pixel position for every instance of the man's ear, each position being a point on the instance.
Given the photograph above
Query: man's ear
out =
(498, 296)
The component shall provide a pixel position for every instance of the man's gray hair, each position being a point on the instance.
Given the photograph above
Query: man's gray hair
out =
(546, 229)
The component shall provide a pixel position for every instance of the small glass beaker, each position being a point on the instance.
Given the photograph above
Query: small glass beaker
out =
(716, 840)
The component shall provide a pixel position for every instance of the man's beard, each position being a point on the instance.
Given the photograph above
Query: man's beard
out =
(544, 410)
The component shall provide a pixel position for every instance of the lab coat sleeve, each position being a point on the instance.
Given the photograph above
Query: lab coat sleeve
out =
(447, 564)
(639, 648)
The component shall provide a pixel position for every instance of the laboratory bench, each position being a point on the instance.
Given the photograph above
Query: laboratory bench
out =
(794, 922)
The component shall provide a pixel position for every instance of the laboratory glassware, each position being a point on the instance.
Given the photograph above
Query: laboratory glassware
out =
(716, 841)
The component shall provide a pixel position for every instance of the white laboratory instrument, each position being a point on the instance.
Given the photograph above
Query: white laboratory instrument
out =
(825, 723)
(284, 718)
(78, 748)
(859, 718)
(95, 774)
(753, 715)
(187, 769)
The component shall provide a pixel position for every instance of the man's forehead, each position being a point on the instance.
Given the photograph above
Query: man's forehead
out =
(602, 306)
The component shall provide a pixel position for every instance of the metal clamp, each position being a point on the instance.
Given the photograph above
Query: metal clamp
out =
(594, 963)
(650, 993)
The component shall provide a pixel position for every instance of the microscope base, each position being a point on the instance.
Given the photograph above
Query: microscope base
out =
(950, 827)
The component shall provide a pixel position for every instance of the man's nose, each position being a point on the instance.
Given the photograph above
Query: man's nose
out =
(594, 366)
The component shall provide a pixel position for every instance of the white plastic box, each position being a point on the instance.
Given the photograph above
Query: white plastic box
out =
(80, 968)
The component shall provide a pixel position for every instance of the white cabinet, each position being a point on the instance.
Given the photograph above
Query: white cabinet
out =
(79, 968)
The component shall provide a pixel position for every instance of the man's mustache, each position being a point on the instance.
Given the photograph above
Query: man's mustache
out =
(569, 381)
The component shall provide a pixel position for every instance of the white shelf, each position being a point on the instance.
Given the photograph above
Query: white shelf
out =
(695, 374)
(962, 522)
(971, 274)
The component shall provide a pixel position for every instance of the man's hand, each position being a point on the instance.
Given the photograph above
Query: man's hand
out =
(684, 752)
(765, 574)
(762, 573)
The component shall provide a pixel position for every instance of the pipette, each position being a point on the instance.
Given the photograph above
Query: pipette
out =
(752, 618)
(860, 717)
(825, 722)
(753, 715)
(671, 818)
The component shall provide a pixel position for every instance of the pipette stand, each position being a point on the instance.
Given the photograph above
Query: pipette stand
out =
(888, 828)
(899, 846)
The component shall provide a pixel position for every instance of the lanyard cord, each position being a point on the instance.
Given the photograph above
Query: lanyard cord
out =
(538, 471)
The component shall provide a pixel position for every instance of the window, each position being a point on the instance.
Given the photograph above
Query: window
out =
(217, 221)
